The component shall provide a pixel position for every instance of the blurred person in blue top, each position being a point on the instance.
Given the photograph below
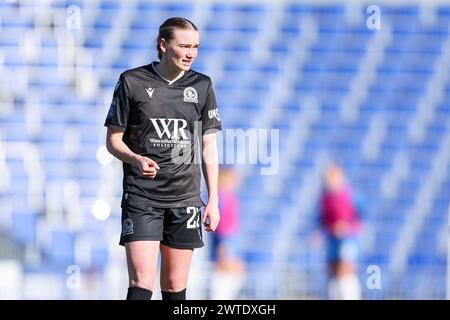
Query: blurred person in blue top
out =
(340, 218)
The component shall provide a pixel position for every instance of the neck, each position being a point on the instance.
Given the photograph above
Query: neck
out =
(167, 71)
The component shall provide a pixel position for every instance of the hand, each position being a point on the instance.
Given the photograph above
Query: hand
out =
(148, 167)
(211, 216)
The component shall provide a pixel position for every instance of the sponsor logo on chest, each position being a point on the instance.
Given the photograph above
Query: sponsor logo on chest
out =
(162, 127)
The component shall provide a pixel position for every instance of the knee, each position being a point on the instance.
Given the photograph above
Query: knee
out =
(142, 280)
(173, 284)
(174, 289)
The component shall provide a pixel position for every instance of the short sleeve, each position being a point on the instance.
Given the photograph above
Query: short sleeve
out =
(210, 114)
(117, 117)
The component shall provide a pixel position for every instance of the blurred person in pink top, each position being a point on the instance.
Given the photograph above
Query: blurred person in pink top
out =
(340, 219)
(229, 266)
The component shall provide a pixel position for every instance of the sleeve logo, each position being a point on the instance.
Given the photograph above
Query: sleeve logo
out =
(112, 108)
(214, 114)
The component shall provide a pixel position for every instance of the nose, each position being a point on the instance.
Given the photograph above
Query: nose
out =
(189, 54)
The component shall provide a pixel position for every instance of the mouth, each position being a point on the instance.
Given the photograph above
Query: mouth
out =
(186, 62)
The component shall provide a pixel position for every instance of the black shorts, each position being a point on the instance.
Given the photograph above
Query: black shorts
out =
(175, 227)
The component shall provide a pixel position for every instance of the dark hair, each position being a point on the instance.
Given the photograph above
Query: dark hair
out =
(169, 26)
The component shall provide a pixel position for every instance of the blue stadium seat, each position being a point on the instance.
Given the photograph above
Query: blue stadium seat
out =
(24, 227)
(61, 249)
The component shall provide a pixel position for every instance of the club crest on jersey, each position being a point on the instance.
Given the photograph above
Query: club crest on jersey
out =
(190, 95)
(127, 227)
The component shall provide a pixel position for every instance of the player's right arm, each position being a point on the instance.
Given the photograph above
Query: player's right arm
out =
(118, 148)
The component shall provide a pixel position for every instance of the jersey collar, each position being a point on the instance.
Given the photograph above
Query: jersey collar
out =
(169, 82)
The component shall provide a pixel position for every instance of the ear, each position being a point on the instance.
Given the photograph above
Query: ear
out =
(163, 45)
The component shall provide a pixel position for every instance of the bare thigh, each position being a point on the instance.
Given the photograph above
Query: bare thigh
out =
(175, 265)
(142, 259)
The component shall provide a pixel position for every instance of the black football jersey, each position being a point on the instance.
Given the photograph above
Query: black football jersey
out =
(164, 121)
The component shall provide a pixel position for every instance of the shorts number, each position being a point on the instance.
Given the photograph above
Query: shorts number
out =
(194, 221)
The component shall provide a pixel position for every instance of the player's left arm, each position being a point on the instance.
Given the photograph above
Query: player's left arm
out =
(210, 167)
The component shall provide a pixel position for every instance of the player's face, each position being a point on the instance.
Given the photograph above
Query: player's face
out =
(182, 49)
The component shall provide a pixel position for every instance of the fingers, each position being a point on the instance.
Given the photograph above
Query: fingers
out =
(152, 163)
(213, 225)
(205, 216)
(210, 221)
(149, 168)
(149, 172)
(210, 228)
(149, 175)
